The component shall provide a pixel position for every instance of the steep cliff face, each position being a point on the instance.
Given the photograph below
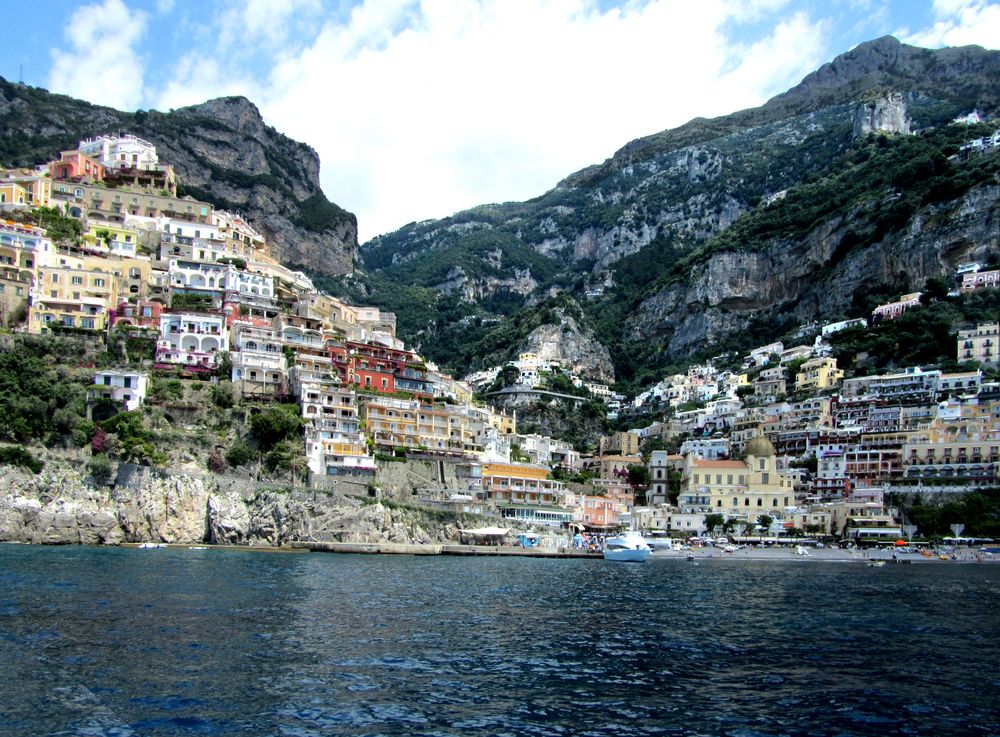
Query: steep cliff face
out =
(732, 288)
(884, 114)
(61, 506)
(223, 152)
(574, 346)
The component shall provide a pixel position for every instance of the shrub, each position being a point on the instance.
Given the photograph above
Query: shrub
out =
(222, 395)
(101, 469)
(15, 455)
(240, 454)
(274, 424)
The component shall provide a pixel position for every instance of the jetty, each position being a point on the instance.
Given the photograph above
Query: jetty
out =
(443, 549)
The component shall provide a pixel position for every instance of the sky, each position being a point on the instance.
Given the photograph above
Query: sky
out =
(421, 108)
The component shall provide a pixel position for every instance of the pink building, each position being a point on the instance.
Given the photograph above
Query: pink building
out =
(980, 280)
(77, 166)
(892, 310)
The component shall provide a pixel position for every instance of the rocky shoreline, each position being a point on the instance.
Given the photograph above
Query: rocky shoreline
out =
(61, 505)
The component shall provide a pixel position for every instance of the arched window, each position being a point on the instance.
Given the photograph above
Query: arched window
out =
(760, 502)
(746, 502)
(774, 502)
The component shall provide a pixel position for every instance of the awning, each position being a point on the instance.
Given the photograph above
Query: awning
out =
(486, 531)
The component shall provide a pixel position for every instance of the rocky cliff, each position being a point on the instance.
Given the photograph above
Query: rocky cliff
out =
(733, 288)
(573, 345)
(62, 506)
(223, 152)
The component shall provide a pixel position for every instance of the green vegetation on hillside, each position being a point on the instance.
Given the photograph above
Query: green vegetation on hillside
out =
(920, 336)
(42, 395)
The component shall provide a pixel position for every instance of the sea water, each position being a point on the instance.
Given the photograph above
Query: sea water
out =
(124, 642)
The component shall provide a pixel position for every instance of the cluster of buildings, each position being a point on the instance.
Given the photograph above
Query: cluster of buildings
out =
(199, 285)
(531, 373)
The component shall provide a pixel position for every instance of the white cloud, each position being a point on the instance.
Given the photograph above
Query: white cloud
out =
(101, 63)
(419, 109)
(960, 23)
(197, 78)
(247, 23)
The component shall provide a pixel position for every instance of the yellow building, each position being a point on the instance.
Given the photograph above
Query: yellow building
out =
(24, 187)
(108, 238)
(624, 443)
(524, 493)
(78, 292)
(745, 490)
(981, 344)
(391, 422)
(818, 374)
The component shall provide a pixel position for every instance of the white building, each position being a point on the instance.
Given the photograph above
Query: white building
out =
(335, 444)
(708, 448)
(192, 340)
(121, 152)
(124, 387)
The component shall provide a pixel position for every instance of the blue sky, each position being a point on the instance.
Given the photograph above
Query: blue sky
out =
(419, 108)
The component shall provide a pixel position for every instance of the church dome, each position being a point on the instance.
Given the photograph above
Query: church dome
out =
(759, 447)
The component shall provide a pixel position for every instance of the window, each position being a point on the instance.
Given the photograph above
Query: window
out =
(98, 282)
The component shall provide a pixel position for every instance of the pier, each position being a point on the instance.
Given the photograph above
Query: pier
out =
(442, 549)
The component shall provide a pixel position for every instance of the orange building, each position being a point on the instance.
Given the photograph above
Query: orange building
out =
(77, 166)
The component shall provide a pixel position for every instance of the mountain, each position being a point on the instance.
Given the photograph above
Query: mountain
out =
(223, 153)
(720, 232)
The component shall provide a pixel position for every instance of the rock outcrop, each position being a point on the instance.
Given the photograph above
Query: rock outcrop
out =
(884, 114)
(726, 292)
(63, 506)
(573, 346)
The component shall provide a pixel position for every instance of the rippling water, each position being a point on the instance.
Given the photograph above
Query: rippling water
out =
(183, 642)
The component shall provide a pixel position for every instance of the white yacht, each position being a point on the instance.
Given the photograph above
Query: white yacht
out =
(628, 546)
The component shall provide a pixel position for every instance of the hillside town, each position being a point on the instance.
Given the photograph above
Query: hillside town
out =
(779, 443)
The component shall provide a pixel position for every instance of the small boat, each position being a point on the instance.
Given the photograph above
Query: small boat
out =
(628, 546)
(876, 563)
(152, 545)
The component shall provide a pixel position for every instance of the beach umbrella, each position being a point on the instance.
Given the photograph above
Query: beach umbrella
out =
(900, 543)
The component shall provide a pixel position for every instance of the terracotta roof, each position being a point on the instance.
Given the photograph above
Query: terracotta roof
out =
(703, 463)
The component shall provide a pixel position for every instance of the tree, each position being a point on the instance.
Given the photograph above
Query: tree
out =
(101, 469)
(714, 520)
(240, 454)
(274, 424)
(764, 522)
(638, 475)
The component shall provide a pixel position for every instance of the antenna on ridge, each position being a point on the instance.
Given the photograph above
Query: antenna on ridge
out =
(20, 74)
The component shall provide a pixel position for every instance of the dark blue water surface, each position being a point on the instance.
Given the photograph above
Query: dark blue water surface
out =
(184, 642)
